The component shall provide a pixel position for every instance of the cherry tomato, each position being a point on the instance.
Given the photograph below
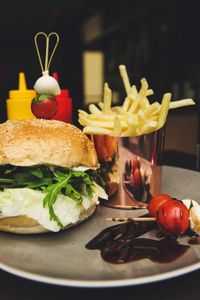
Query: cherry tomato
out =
(155, 203)
(44, 106)
(173, 218)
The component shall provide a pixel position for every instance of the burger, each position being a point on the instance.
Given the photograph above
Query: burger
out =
(49, 176)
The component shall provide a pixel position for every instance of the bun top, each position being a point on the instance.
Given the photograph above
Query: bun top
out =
(45, 142)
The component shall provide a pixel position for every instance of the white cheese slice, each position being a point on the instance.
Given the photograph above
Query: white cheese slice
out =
(80, 168)
(25, 201)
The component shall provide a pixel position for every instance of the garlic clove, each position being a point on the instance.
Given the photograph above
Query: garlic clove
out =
(47, 85)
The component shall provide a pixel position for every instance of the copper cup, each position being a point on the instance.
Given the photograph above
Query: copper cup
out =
(132, 166)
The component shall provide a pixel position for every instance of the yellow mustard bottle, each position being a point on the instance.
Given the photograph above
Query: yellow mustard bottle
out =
(19, 102)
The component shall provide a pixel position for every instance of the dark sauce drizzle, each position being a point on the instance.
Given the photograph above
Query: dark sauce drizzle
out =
(122, 243)
(195, 240)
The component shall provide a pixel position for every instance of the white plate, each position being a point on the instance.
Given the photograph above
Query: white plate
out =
(62, 258)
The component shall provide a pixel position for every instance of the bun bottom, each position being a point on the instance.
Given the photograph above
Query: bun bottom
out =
(26, 225)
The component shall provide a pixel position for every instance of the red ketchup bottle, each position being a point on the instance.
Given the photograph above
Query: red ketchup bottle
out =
(64, 112)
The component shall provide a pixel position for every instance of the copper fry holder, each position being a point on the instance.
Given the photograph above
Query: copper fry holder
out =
(134, 166)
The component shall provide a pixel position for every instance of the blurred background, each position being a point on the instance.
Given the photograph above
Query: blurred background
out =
(156, 39)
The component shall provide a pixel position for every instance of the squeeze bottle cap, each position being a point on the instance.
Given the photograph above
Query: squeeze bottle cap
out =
(22, 92)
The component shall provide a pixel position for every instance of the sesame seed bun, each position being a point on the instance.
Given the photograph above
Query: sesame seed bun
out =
(45, 142)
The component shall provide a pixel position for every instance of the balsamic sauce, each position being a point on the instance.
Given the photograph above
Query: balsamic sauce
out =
(194, 237)
(121, 243)
(195, 240)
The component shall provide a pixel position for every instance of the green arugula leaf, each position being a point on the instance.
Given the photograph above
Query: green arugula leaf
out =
(7, 180)
(51, 196)
(89, 190)
(54, 217)
(73, 193)
(37, 173)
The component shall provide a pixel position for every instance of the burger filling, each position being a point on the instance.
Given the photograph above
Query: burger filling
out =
(53, 196)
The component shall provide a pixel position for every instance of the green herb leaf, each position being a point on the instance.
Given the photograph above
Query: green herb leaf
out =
(37, 173)
(73, 193)
(7, 180)
(52, 194)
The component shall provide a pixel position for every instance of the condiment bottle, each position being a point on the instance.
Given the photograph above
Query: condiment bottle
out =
(64, 105)
(19, 102)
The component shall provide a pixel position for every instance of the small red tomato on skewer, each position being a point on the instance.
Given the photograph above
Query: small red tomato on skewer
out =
(156, 202)
(44, 106)
(173, 218)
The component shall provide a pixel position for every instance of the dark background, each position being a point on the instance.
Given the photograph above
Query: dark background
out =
(156, 39)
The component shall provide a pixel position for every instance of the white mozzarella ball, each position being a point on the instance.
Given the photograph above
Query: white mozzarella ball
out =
(194, 214)
(189, 203)
(47, 85)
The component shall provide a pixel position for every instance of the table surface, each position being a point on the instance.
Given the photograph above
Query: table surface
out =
(180, 183)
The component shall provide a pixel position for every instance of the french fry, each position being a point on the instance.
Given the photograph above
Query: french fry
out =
(181, 103)
(144, 103)
(131, 131)
(148, 127)
(83, 120)
(149, 92)
(126, 104)
(117, 127)
(101, 105)
(134, 94)
(132, 121)
(132, 97)
(97, 130)
(109, 124)
(140, 96)
(141, 118)
(164, 110)
(118, 110)
(82, 112)
(134, 91)
(95, 110)
(107, 99)
(106, 118)
(134, 105)
(152, 109)
(153, 117)
(124, 75)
